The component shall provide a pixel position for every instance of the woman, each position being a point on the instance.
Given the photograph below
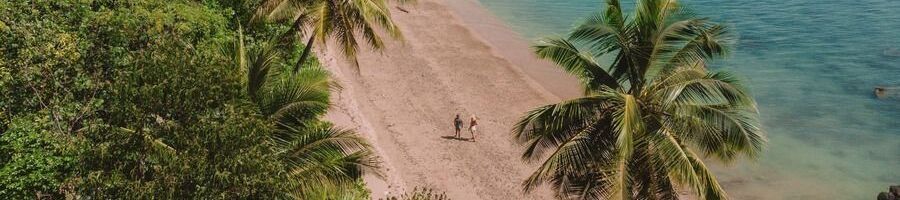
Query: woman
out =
(472, 129)
(458, 123)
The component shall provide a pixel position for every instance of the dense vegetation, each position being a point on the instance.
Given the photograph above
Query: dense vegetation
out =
(165, 99)
(648, 119)
(345, 22)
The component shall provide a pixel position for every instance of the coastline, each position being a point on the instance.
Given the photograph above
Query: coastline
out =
(514, 47)
(402, 100)
(793, 166)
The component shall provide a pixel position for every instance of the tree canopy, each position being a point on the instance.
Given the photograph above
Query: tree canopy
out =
(143, 99)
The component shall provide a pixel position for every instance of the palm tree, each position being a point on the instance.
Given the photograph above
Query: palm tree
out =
(324, 162)
(342, 20)
(646, 121)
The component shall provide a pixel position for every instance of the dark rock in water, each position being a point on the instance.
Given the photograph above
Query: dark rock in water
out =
(893, 193)
(880, 92)
(886, 196)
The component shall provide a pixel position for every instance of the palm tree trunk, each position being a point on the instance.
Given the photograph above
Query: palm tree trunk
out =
(306, 52)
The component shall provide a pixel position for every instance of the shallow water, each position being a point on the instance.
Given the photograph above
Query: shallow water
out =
(812, 65)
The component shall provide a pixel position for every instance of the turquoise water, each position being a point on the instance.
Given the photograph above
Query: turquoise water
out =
(812, 65)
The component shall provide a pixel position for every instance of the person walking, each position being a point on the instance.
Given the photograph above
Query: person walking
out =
(458, 123)
(473, 123)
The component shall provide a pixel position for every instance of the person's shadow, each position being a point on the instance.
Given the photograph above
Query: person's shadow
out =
(456, 138)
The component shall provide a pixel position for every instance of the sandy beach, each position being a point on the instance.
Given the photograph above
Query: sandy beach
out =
(404, 100)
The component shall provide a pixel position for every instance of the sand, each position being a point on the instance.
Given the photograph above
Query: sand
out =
(456, 59)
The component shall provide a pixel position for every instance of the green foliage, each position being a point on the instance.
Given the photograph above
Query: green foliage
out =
(34, 159)
(322, 162)
(223, 154)
(344, 21)
(646, 120)
(136, 100)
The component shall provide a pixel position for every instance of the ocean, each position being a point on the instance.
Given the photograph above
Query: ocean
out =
(812, 66)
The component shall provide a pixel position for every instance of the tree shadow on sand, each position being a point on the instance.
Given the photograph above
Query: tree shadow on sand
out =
(457, 138)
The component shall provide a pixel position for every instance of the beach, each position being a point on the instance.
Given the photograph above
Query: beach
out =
(811, 66)
(828, 137)
(210, 99)
(404, 99)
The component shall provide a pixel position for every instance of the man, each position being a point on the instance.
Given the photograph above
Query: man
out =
(472, 123)
(458, 123)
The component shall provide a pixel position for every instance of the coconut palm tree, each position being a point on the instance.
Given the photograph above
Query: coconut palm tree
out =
(342, 20)
(324, 162)
(648, 119)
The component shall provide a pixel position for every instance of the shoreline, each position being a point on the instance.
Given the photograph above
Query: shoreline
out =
(490, 29)
(457, 58)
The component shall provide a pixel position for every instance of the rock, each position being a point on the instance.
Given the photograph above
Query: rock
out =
(893, 193)
(885, 196)
(879, 92)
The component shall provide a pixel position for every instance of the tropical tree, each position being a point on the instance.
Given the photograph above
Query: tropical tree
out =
(322, 161)
(648, 119)
(342, 20)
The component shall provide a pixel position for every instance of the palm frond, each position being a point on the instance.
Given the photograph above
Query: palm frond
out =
(698, 87)
(724, 132)
(266, 8)
(549, 126)
(578, 63)
(295, 98)
(671, 153)
(376, 12)
(629, 123)
(613, 15)
(688, 42)
(573, 156)
(709, 187)
(327, 159)
(651, 15)
(634, 139)
(597, 33)
(260, 63)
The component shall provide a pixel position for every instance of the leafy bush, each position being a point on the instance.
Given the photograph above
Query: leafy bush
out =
(34, 159)
(112, 99)
(127, 99)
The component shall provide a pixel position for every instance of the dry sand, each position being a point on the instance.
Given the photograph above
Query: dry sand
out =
(457, 58)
